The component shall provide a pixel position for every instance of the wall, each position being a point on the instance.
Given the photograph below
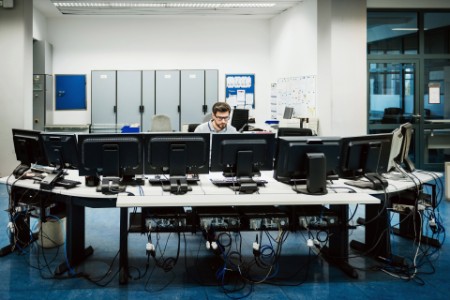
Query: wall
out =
(16, 70)
(82, 44)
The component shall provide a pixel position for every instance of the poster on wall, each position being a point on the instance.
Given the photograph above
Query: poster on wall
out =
(240, 90)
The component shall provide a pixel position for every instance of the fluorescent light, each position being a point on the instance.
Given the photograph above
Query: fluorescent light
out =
(405, 29)
(210, 5)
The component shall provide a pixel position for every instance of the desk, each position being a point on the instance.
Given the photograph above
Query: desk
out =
(203, 194)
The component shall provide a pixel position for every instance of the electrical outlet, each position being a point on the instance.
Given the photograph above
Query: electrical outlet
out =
(8, 3)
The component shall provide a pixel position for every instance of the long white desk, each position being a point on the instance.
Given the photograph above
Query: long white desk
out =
(205, 193)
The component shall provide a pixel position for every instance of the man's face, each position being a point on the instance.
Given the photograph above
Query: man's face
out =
(220, 119)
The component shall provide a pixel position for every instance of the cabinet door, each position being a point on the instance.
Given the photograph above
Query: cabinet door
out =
(211, 89)
(192, 96)
(168, 95)
(103, 101)
(148, 99)
(128, 97)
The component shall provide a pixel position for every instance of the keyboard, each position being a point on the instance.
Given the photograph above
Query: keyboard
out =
(67, 183)
(360, 184)
(232, 181)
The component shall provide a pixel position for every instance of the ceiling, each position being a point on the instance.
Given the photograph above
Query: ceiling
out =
(165, 8)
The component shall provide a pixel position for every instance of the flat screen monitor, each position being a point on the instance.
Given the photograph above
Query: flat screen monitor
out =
(307, 158)
(61, 150)
(28, 148)
(177, 154)
(288, 112)
(118, 155)
(397, 139)
(403, 155)
(239, 119)
(242, 154)
(292, 131)
(364, 154)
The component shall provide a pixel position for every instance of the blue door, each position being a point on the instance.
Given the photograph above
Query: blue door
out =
(70, 92)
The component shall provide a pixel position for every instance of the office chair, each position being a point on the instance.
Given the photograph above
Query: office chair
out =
(207, 117)
(239, 119)
(392, 115)
(291, 131)
(191, 127)
(161, 123)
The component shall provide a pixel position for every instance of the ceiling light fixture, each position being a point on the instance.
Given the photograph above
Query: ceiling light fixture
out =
(207, 5)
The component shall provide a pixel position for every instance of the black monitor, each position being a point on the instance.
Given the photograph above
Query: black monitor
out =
(403, 156)
(361, 155)
(118, 157)
(177, 154)
(61, 150)
(242, 154)
(294, 131)
(239, 119)
(307, 158)
(28, 148)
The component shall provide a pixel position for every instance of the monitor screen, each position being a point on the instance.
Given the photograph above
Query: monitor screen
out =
(242, 155)
(403, 155)
(61, 150)
(239, 119)
(364, 154)
(307, 158)
(28, 147)
(177, 154)
(111, 155)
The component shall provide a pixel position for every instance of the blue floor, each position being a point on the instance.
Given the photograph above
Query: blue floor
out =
(302, 274)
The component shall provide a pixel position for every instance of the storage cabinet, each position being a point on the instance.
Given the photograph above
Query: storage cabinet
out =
(125, 97)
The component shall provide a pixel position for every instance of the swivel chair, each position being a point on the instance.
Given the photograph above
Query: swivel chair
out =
(291, 131)
(161, 123)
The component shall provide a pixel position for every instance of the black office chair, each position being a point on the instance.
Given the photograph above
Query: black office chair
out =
(191, 127)
(392, 115)
(239, 119)
(291, 131)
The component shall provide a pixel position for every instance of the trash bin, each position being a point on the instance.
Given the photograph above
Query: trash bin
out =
(52, 233)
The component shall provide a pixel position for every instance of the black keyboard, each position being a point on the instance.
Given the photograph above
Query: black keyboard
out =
(67, 183)
(233, 181)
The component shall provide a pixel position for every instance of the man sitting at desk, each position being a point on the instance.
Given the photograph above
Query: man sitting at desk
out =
(219, 122)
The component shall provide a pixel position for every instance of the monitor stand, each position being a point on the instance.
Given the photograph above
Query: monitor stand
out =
(178, 185)
(316, 181)
(111, 185)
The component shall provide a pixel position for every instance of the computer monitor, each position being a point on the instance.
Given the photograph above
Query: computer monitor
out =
(397, 139)
(242, 154)
(364, 154)
(61, 150)
(28, 148)
(118, 157)
(294, 131)
(288, 112)
(403, 156)
(307, 158)
(177, 154)
(239, 119)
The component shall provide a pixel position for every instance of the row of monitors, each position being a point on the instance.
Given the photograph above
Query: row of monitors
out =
(178, 154)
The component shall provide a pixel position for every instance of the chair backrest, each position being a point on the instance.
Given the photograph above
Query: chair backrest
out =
(291, 131)
(239, 118)
(161, 123)
(191, 127)
(207, 117)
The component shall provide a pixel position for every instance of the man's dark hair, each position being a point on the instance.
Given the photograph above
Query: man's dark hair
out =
(221, 107)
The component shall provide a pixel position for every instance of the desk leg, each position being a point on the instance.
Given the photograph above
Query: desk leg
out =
(377, 236)
(337, 251)
(75, 231)
(407, 230)
(123, 255)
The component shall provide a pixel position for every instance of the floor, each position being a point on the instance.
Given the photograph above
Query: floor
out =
(198, 272)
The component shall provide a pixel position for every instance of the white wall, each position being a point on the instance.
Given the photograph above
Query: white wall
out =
(293, 42)
(39, 26)
(16, 71)
(83, 44)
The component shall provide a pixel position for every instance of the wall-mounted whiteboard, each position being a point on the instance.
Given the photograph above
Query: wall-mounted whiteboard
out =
(297, 92)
